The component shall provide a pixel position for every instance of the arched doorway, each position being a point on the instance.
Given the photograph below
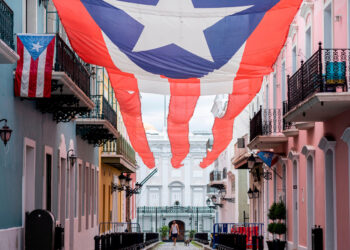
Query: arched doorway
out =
(181, 234)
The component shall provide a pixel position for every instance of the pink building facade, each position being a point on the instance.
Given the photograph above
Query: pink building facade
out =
(305, 118)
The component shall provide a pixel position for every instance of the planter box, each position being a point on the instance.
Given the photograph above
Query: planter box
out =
(276, 245)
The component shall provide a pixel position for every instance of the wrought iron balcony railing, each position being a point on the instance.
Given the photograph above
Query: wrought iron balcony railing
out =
(174, 209)
(6, 24)
(103, 110)
(67, 61)
(121, 147)
(265, 122)
(215, 175)
(325, 71)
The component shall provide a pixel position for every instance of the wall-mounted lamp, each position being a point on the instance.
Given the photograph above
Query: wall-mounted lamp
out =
(44, 2)
(72, 159)
(256, 193)
(5, 132)
(251, 161)
(337, 18)
(250, 193)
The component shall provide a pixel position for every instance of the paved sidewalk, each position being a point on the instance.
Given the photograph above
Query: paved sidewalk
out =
(179, 246)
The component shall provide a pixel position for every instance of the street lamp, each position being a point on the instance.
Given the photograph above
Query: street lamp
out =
(5, 132)
(72, 158)
(256, 193)
(213, 198)
(122, 179)
(251, 161)
(250, 193)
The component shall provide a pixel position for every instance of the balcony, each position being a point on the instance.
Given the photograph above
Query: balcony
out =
(318, 91)
(99, 125)
(70, 88)
(211, 190)
(119, 154)
(7, 45)
(216, 179)
(241, 153)
(266, 131)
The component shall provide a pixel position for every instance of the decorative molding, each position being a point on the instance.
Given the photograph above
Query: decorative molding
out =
(326, 144)
(306, 7)
(346, 136)
(176, 184)
(308, 150)
(293, 28)
(293, 155)
(283, 160)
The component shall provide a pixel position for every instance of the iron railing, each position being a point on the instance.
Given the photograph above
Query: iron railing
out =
(215, 175)
(6, 24)
(121, 147)
(174, 209)
(265, 122)
(67, 61)
(325, 71)
(102, 110)
(118, 227)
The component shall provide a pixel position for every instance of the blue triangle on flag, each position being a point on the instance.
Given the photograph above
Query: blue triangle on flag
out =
(35, 44)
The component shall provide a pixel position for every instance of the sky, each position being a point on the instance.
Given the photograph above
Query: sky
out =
(153, 112)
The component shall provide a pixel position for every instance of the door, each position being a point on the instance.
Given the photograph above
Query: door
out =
(295, 205)
(29, 177)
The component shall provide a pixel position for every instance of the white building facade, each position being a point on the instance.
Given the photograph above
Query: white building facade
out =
(175, 194)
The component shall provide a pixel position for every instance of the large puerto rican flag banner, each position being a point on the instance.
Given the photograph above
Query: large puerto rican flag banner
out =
(181, 48)
(34, 69)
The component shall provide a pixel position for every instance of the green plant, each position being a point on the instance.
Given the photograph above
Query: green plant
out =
(280, 211)
(277, 212)
(164, 230)
(192, 232)
(271, 227)
(280, 228)
(272, 211)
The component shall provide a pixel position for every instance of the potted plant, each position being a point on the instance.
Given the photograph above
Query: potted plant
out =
(164, 231)
(192, 232)
(277, 213)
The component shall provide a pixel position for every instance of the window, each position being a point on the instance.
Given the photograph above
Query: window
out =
(67, 191)
(328, 27)
(308, 44)
(154, 200)
(176, 195)
(267, 95)
(274, 90)
(197, 197)
(283, 82)
(294, 59)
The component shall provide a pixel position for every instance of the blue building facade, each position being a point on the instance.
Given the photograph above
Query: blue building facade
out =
(52, 158)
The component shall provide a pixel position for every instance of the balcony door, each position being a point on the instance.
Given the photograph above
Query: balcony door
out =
(328, 26)
(310, 199)
(330, 200)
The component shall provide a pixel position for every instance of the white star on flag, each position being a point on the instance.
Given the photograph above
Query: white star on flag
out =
(36, 46)
(164, 26)
(266, 155)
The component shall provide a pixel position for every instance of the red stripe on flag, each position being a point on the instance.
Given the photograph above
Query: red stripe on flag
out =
(18, 76)
(181, 110)
(130, 108)
(76, 21)
(48, 68)
(255, 53)
(33, 76)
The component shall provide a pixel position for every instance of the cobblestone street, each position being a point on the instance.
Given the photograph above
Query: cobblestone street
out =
(179, 246)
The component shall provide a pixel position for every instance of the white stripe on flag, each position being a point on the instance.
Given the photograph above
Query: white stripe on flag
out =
(147, 82)
(25, 72)
(40, 83)
(220, 81)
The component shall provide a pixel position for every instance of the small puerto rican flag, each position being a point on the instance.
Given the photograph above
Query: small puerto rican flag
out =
(34, 69)
(269, 158)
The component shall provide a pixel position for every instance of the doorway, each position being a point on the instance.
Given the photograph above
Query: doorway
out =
(295, 205)
(330, 208)
(310, 199)
(181, 234)
(28, 177)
